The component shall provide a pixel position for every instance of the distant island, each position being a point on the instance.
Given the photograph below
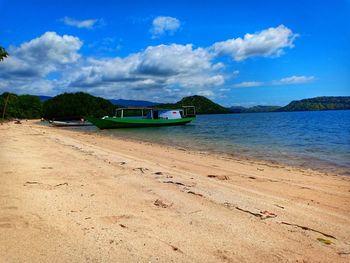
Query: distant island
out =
(80, 104)
(314, 104)
(318, 103)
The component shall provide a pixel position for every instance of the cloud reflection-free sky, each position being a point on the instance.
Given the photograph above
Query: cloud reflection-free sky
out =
(234, 52)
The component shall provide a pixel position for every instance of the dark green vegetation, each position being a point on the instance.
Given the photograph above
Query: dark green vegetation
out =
(3, 53)
(77, 105)
(202, 104)
(318, 103)
(81, 105)
(20, 106)
(64, 106)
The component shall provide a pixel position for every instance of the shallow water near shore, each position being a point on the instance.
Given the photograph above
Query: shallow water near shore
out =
(317, 140)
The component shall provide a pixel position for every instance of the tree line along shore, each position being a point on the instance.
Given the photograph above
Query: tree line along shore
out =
(80, 104)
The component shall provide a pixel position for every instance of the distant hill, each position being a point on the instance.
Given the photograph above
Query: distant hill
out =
(44, 98)
(237, 109)
(318, 103)
(313, 104)
(254, 109)
(135, 103)
(260, 108)
(120, 102)
(203, 105)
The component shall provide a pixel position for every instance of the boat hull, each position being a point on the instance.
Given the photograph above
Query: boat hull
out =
(114, 123)
(69, 124)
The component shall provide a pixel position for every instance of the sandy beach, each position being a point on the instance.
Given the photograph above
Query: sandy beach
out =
(67, 196)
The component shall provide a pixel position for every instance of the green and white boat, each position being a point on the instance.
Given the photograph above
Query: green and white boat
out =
(125, 118)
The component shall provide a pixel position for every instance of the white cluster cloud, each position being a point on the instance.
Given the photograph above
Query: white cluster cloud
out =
(173, 59)
(266, 43)
(51, 48)
(294, 80)
(51, 64)
(40, 56)
(284, 81)
(164, 25)
(248, 84)
(88, 23)
(160, 68)
(27, 67)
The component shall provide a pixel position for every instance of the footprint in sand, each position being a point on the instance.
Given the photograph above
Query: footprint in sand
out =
(222, 255)
(115, 219)
(219, 177)
(9, 208)
(13, 221)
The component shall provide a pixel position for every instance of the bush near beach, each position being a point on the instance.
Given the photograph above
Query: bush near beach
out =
(20, 106)
(77, 105)
(66, 105)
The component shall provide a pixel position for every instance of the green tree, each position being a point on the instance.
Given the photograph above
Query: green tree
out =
(30, 107)
(23, 106)
(8, 105)
(77, 105)
(3, 53)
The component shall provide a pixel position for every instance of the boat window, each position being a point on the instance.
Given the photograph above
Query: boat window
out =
(189, 111)
(155, 114)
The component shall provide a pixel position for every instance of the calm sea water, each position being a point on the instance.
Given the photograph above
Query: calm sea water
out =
(318, 140)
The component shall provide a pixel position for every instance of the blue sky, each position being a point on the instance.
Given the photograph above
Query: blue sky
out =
(234, 52)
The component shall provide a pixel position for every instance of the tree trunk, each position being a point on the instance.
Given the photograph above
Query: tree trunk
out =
(7, 99)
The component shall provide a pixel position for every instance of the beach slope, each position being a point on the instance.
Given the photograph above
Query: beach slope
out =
(67, 196)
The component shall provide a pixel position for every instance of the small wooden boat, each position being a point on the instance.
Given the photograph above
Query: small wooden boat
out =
(153, 118)
(70, 123)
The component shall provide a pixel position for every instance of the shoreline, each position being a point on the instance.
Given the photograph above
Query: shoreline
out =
(109, 199)
(332, 169)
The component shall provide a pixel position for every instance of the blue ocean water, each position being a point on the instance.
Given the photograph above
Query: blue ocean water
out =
(314, 139)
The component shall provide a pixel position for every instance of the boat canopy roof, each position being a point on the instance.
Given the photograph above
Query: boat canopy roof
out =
(135, 108)
(184, 111)
(150, 108)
